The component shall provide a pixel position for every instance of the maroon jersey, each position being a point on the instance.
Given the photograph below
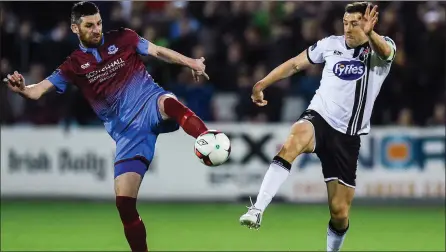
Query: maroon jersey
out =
(112, 77)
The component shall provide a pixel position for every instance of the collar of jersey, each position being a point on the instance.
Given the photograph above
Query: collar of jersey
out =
(89, 49)
(358, 47)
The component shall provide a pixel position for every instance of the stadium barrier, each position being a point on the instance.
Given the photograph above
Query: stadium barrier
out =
(406, 163)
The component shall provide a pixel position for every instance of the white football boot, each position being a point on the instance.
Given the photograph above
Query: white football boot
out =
(253, 218)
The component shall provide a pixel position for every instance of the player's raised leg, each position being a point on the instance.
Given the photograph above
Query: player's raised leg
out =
(171, 108)
(340, 197)
(128, 177)
(300, 140)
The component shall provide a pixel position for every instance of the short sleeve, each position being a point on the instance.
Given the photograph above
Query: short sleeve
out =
(315, 53)
(60, 78)
(393, 47)
(141, 44)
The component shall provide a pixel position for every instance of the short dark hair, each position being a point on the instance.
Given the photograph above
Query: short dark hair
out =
(82, 9)
(357, 7)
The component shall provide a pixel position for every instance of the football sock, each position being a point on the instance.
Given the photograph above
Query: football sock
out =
(275, 176)
(187, 119)
(335, 237)
(134, 228)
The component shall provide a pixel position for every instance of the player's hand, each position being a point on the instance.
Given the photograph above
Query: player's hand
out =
(370, 19)
(198, 69)
(257, 97)
(15, 82)
(197, 74)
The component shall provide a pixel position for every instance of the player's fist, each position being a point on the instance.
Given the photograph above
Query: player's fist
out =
(199, 65)
(198, 69)
(257, 98)
(15, 82)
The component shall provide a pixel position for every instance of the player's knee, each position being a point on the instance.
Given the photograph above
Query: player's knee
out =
(163, 97)
(302, 136)
(161, 101)
(339, 210)
(298, 141)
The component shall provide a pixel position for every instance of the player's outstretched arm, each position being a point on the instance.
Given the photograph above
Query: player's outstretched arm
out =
(171, 56)
(379, 45)
(285, 70)
(16, 82)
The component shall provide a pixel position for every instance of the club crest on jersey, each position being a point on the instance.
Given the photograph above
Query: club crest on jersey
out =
(364, 54)
(349, 70)
(112, 49)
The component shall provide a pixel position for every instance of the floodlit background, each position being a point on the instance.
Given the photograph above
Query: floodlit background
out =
(57, 160)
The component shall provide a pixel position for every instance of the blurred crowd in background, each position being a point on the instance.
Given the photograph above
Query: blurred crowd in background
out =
(242, 42)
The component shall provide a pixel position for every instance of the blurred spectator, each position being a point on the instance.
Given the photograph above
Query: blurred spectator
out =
(254, 46)
(50, 108)
(24, 41)
(226, 77)
(6, 110)
(117, 17)
(183, 26)
(439, 116)
(274, 95)
(59, 39)
(405, 117)
(136, 24)
(245, 109)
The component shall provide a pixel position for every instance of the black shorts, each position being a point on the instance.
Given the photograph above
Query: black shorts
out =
(338, 152)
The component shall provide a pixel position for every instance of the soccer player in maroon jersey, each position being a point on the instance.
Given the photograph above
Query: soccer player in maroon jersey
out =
(134, 109)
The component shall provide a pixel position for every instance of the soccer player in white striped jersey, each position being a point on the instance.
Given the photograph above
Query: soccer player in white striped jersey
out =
(356, 65)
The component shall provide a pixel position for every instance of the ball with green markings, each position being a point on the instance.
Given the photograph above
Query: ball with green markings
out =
(212, 148)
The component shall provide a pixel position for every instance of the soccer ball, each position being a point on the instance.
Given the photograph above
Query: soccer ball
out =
(212, 148)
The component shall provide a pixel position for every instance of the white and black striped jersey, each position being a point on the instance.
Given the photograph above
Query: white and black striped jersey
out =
(351, 81)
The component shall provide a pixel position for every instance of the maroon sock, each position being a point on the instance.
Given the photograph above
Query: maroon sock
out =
(187, 119)
(134, 228)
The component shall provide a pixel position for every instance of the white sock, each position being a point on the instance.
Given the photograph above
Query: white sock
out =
(334, 239)
(275, 176)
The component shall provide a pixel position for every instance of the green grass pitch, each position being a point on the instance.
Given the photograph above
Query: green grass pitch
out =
(77, 226)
